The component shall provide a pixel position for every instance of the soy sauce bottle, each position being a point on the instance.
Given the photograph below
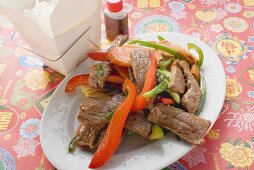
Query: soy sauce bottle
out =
(116, 19)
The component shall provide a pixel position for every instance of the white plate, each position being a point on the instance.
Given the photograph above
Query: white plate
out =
(59, 121)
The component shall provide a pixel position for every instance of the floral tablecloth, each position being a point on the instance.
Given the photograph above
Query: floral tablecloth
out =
(226, 26)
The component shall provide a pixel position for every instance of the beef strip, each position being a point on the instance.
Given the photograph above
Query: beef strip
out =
(98, 81)
(187, 126)
(140, 61)
(177, 81)
(118, 41)
(92, 118)
(137, 122)
(191, 98)
(130, 75)
(93, 123)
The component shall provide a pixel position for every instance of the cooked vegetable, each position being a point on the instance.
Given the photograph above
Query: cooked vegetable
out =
(203, 94)
(82, 80)
(167, 100)
(199, 51)
(76, 81)
(89, 92)
(174, 95)
(103, 115)
(99, 69)
(129, 133)
(120, 56)
(72, 143)
(92, 92)
(114, 130)
(122, 71)
(115, 78)
(160, 38)
(166, 64)
(160, 47)
(165, 73)
(149, 83)
(109, 115)
(167, 168)
(157, 132)
(98, 56)
(157, 90)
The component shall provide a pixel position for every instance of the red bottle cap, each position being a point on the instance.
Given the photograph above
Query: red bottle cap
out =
(115, 5)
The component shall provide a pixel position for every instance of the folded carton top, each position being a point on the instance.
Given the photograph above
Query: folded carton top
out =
(69, 19)
(66, 15)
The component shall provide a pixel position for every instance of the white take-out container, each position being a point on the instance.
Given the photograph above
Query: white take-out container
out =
(75, 27)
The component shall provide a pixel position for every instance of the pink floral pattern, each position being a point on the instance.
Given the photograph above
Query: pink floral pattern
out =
(224, 23)
(243, 119)
(195, 156)
(25, 147)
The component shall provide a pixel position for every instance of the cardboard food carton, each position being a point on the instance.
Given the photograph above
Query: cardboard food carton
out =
(75, 31)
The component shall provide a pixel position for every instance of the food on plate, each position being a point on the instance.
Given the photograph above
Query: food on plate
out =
(139, 87)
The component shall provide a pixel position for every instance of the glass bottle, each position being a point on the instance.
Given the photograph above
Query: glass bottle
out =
(116, 19)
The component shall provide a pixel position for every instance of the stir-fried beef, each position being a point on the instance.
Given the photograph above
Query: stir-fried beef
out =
(191, 98)
(90, 133)
(137, 122)
(118, 41)
(177, 81)
(140, 61)
(93, 123)
(97, 79)
(91, 117)
(187, 126)
(117, 99)
(130, 75)
(195, 71)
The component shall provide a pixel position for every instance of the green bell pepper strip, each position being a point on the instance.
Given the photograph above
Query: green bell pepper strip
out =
(157, 89)
(71, 147)
(174, 95)
(160, 38)
(165, 73)
(203, 94)
(99, 69)
(129, 133)
(109, 115)
(166, 64)
(157, 132)
(167, 168)
(160, 47)
(199, 51)
(177, 137)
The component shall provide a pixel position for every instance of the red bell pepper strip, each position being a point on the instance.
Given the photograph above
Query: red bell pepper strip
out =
(98, 56)
(123, 71)
(114, 130)
(82, 80)
(120, 56)
(115, 78)
(150, 79)
(76, 81)
(167, 100)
